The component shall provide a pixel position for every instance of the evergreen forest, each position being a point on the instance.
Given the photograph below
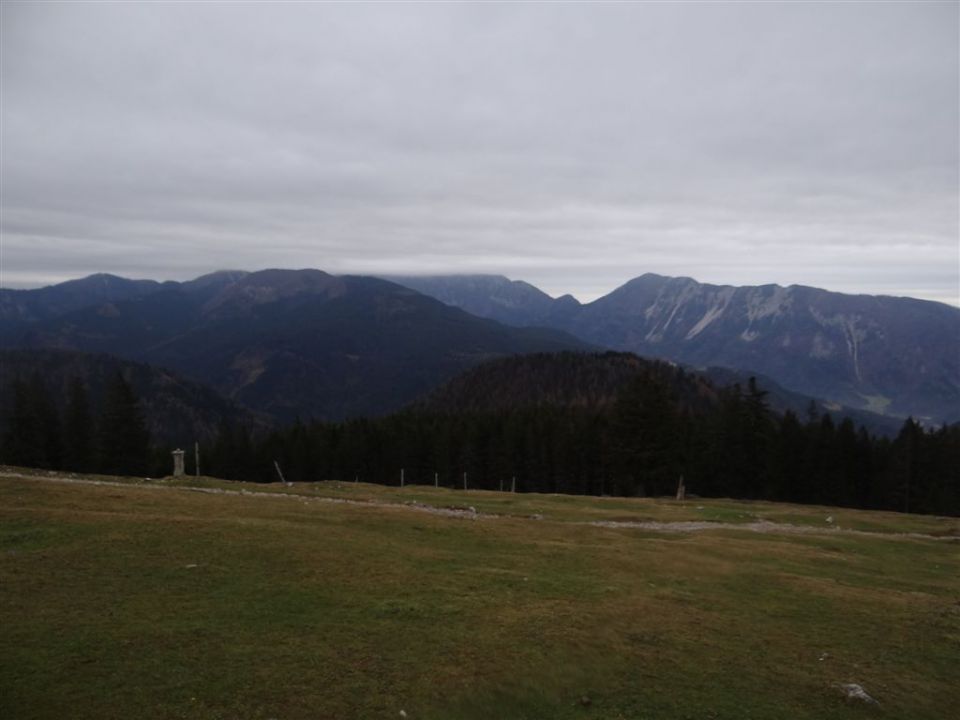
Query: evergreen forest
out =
(659, 426)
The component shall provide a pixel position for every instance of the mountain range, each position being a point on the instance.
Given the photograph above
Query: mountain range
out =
(285, 342)
(305, 343)
(888, 355)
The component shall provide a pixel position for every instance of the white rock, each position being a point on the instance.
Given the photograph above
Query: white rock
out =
(856, 692)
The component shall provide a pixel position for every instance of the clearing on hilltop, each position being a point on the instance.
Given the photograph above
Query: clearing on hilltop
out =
(198, 598)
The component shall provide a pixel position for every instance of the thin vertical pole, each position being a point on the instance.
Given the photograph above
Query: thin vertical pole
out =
(196, 450)
(401, 477)
(464, 481)
(436, 480)
(513, 484)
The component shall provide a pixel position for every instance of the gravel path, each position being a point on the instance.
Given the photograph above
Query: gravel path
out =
(761, 526)
(470, 513)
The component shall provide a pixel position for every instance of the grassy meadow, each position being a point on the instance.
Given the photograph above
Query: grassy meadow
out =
(148, 600)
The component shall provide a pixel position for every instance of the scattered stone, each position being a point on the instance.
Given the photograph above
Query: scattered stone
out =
(191, 565)
(829, 518)
(403, 713)
(856, 692)
(585, 701)
(823, 656)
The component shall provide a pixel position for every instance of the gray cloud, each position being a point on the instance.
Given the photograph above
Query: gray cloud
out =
(571, 145)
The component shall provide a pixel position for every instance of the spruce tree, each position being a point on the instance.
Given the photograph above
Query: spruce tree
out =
(48, 417)
(646, 439)
(23, 440)
(78, 430)
(906, 466)
(124, 443)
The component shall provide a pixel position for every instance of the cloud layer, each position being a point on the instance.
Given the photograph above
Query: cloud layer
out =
(571, 145)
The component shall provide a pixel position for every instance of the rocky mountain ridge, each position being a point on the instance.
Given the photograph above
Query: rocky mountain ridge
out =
(897, 356)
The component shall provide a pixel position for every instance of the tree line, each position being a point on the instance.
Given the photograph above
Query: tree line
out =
(737, 448)
(44, 431)
(642, 445)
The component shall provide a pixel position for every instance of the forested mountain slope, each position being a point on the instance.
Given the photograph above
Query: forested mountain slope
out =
(176, 410)
(293, 343)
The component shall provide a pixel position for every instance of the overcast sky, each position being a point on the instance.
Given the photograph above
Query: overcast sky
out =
(570, 145)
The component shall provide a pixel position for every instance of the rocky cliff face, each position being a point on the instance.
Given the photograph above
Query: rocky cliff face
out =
(895, 355)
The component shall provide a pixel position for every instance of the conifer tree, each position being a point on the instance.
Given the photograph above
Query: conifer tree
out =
(905, 468)
(757, 441)
(124, 443)
(645, 426)
(50, 425)
(23, 442)
(78, 442)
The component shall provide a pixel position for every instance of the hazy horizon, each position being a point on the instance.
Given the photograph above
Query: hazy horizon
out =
(388, 276)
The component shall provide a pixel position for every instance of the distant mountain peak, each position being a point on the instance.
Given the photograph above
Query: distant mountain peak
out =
(217, 277)
(497, 297)
(267, 286)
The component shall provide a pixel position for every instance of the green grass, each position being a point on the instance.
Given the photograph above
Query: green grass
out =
(119, 602)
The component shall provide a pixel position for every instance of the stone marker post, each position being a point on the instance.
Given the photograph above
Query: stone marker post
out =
(177, 463)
